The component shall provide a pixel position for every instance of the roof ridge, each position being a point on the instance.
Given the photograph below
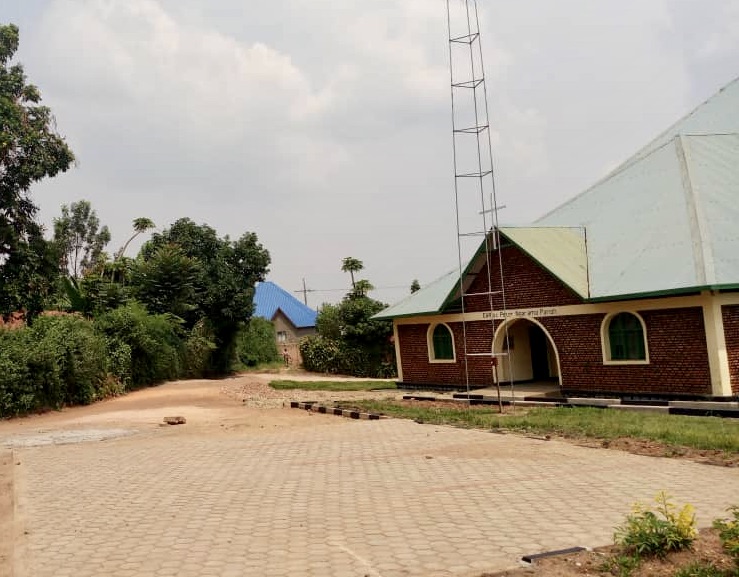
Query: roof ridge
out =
(644, 151)
(639, 153)
(600, 181)
(702, 249)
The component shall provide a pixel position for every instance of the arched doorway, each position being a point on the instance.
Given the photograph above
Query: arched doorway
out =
(532, 356)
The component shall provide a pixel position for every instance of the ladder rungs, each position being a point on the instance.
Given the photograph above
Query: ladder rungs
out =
(489, 210)
(472, 233)
(474, 174)
(469, 83)
(472, 129)
(466, 39)
(487, 354)
(483, 294)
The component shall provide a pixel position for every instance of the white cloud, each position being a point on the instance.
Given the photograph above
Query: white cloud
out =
(325, 126)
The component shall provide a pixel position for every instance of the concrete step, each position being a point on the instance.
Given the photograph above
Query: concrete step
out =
(592, 402)
(641, 408)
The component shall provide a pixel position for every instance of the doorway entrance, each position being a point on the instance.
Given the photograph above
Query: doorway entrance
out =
(529, 354)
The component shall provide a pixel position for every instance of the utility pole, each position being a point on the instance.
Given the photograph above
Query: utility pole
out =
(305, 293)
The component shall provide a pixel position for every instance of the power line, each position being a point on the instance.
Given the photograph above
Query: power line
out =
(345, 289)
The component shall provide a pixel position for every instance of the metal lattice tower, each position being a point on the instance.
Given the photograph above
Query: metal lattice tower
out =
(474, 175)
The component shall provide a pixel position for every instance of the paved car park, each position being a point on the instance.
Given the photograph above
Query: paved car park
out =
(273, 492)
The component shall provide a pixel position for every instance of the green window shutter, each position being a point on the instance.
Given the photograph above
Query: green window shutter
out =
(442, 341)
(626, 337)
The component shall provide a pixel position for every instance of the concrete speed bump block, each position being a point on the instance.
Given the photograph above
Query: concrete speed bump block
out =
(316, 408)
(175, 420)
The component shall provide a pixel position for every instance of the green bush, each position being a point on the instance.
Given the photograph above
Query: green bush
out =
(324, 355)
(71, 358)
(321, 355)
(58, 361)
(728, 530)
(198, 349)
(659, 532)
(151, 342)
(17, 390)
(256, 343)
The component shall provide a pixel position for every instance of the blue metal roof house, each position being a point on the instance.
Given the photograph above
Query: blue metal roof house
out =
(630, 288)
(291, 318)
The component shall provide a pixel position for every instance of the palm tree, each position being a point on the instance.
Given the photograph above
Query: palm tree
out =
(140, 225)
(352, 265)
(362, 287)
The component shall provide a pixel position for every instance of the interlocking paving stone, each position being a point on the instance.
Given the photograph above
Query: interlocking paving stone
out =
(358, 498)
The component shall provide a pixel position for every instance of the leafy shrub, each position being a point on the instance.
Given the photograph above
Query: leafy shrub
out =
(71, 357)
(198, 348)
(58, 361)
(256, 343)
(659, 532)
(321, 355)
(728, 531)
(17, 391)
(324, 355)
(152, 341)
(621, 565)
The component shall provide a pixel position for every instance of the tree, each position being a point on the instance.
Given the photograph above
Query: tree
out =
(80, 238)
(361, 288)
(223, 282)
(30, 150)
(351, 265)
(415, 286)
(349, 340)
(165, 282)
(140, 226)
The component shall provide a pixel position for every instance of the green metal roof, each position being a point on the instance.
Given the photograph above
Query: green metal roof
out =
(663, 222)
(429, 300)
(561, 250)
(667, 222)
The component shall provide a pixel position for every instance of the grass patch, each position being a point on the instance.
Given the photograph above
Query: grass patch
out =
(332, 385)
(708, 433)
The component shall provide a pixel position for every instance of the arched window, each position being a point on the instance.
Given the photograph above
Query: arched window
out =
(626, 338)
(441, 347)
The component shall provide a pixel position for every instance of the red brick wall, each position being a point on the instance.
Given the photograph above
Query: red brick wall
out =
(676, 341)
(528, 284)
(415, 359)
(678, 356)
(731, 333)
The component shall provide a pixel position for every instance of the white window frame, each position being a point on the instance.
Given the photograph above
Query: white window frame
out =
(430, 345)
(605, 340)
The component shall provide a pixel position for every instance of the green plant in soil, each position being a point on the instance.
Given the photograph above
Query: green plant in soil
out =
(728, 530)
(621, 565)
(648, 532)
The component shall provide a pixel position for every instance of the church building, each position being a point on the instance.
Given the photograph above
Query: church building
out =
(630, 288)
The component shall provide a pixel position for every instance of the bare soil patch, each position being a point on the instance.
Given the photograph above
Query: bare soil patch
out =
(706, 549)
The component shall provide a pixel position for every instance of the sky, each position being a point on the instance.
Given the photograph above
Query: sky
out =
(325, 127)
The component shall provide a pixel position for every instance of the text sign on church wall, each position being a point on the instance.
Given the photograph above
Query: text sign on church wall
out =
(521, 314)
